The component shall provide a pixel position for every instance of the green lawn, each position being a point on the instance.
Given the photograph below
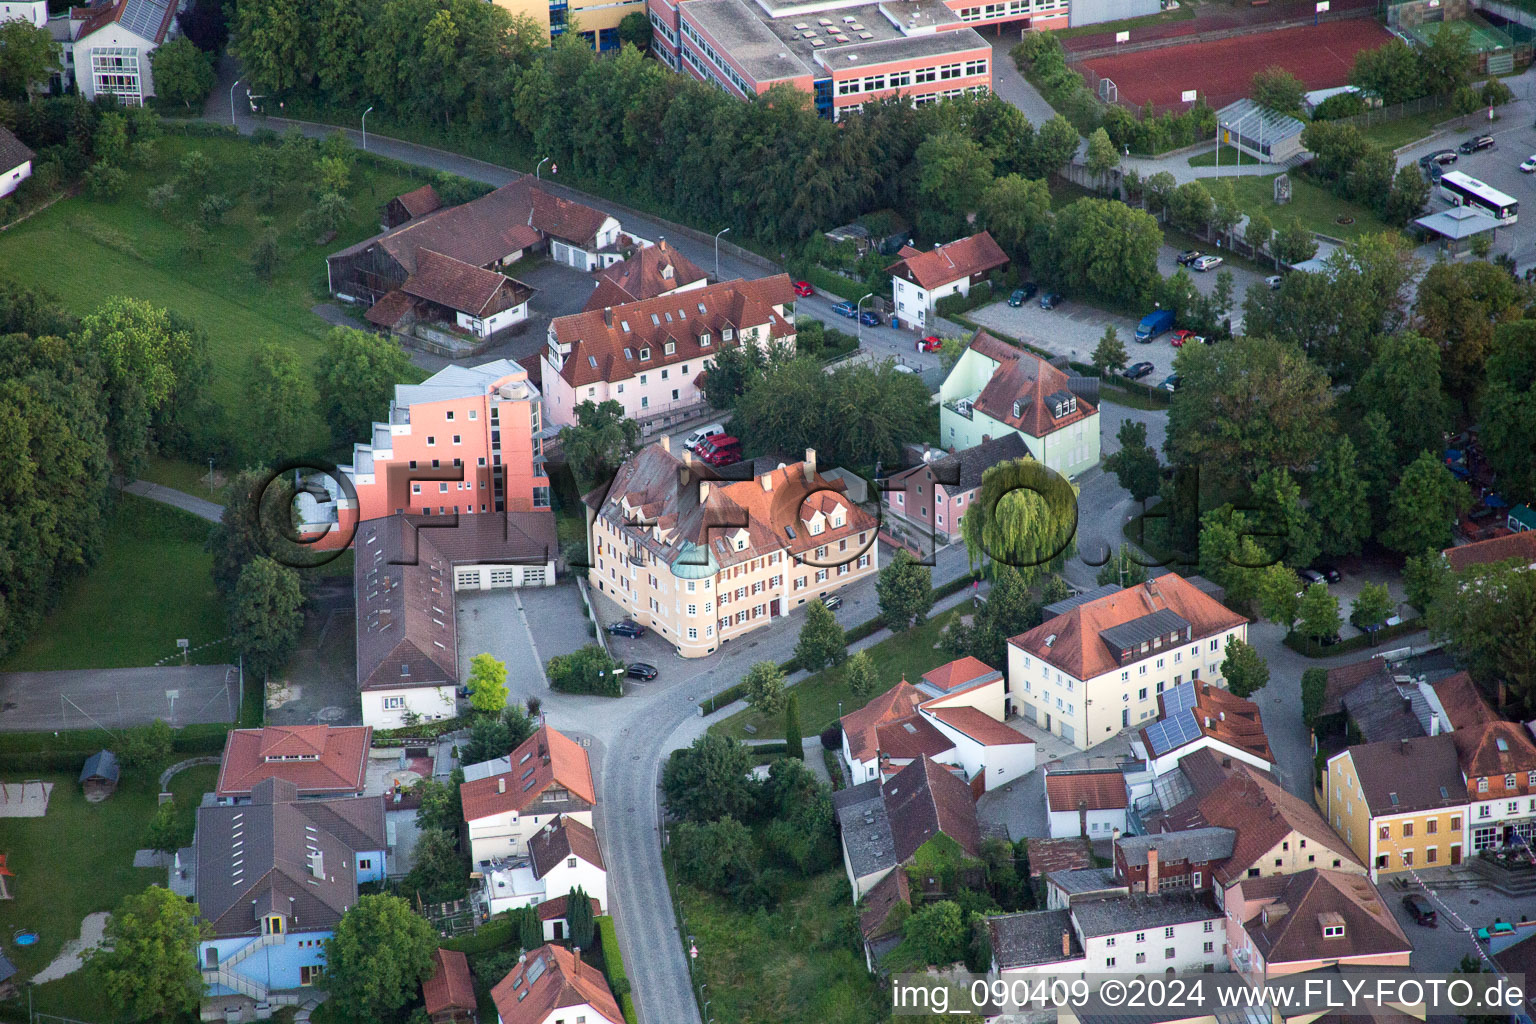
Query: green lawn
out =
(126, 247)
(1318, 208)
(184, 476)
(77, 860)
(905, 655)
(151, 586)
(796, 965)
(1400, 132)
(1184, 12)
(1230, 157)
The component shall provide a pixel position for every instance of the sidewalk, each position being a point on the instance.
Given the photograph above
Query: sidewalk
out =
(200, 507)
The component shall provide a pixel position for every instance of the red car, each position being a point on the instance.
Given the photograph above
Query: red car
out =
(804, 289)
(1181, 337)
(932, 343)
(720, 450)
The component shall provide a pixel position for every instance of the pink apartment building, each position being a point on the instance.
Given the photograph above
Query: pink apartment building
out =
(843, 54)
(465, 440)
(936, 493)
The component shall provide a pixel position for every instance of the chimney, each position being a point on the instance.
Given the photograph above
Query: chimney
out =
(501, 785)
(1066, 942)
(661, 242)
(666, 443)
(703, 491)
(1152, 871)
(810, 464)
(767, 481)
(1402, 746)
(1082, 818)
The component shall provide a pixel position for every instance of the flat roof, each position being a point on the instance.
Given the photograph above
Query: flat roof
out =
(899, 48)
(1458, 222)
(747, 39)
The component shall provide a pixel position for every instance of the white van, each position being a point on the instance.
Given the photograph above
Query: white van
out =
(708, 430)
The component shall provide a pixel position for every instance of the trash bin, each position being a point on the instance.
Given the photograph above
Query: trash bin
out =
(894, 322)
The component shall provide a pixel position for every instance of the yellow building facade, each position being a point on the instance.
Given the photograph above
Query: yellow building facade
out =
(1399, 804)
(595, 20)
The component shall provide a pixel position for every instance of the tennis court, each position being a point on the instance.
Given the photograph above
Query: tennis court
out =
(1221, 71)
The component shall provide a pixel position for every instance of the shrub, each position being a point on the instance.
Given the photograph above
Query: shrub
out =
(832, 737)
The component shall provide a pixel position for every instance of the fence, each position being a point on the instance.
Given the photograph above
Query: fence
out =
(1075, 57)
(1408, 108)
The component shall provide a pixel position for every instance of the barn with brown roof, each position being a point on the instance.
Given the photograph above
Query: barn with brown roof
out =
(449, 991)
(920, 279)
(996, 389)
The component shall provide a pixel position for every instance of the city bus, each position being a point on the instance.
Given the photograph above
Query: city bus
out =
(1464, 190)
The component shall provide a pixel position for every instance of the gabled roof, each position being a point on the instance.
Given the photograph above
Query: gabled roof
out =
(12, 152)
(1345, 678)
(863, 727)
(565, 219)
(462, 286)
(650, 271)
(317, 759)
(555, 909)
(1262, 814)
(1131, 913)
(1494, 749)
(550, 978)
(547, 758)
(565, 837)
(606, 344)
(450, 986)
(1025, 380)
(1072, 641)
(1098, 789)
(952, 261)
(100, 765)
(1463, 703)
(1196, 846)
(1416, 774)
(1350, 900)
(421, 201)
(389, 309)
(1207, 711)
(924, 799)
(979, 726)
(1521, 546)
(967, 465)
(877, 905)
(150, 20)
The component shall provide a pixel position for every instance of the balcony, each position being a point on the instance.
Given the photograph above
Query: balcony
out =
(963, 406)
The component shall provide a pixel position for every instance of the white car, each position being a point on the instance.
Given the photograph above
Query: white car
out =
(1274, 282)
(1530, 164)
(1207, 263)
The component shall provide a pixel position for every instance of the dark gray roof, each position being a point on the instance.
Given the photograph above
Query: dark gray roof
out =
(1077, 881)
(12, 153)
(260, 857)
(100, 765)
(1066, 604)
(966, 466)
(1032, 939)
(1129, 635)
(1206, 586)
(7, 969)
(1418, 774)
(1134, 913)
(1193, 845)
(866, 828)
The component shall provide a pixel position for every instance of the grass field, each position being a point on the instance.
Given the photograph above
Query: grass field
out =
(1402, 131)
(1318, 208)
(77, 860)
(126, 247)
(1230, 157)
(184, 476)
(151, 586)
(908, 655)
(795, 965)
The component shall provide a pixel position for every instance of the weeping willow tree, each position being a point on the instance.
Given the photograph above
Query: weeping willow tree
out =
(1025, 515)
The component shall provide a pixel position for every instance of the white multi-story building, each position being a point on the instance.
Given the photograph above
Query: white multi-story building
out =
(1148, 934)
(1098, 668)
(109, 45)
(920, 279)
(510, 800)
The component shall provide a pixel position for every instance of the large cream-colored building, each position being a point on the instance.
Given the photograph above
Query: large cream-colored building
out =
(597, 21)
(702, 560)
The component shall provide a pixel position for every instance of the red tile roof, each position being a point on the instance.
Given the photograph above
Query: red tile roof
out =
(1315, 897)
(450, 987)
(875, 910)
(339, 765)
(962, 258)
(564, 219)
(1076, 646)
(606, 344)
(1226, 717)
(562, 838)
(651, 271)
(389, 309)
(552, 978)
(1463, 703)
(979, 726)
(1025, 380)
(421, 201)
(924, 799)
(961, 673)
(1098, 790)
(98, 18)
(861, 727)
(552, 910)
(544, 759)
(462, 286)
(1494, 749)
(1262, 814)
(1520, 546)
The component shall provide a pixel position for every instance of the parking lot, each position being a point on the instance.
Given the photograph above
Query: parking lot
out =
(1440, 949)
(1515, 139)
(498, 622)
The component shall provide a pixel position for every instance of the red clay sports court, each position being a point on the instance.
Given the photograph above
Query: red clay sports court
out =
(1320, 55)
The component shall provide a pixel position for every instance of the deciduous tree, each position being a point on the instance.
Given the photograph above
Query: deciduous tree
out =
(599, 442)
(1278, 591)
(1459, 306)
(1103, 157)
(1314, 688)
(1294, 243)
(1104, 247)
(586, 670)
(1319, 613)
(794, 744)
(821, 640)
(487, 684)
(147, 965)
(1424, 507)
(1403, 384)
(1488, 617)
(378, 957)
(1123, 570)
(356, 377)
(1509, 406)
(266, 616)
(1016, 210)
(708, 779)
(1024, 515)
(183, 73)
(28, 56)
(905, 589)
(860, 675)
(1277, 89)
(764, 686)
(1109, 355)
(1135, 464)
(281, 403)
(1341, 510)
(1244, 669)
(1372, 606)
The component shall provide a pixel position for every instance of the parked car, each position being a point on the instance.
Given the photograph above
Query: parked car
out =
(1136, 371)
(1310, 576)
(1529, 164)
(1328, 572)
(869, 319)
(1153, 324)
(640, 670)
(804, 289)
(903, 368)
(932, 343)
(1022, 294)
(1273, 280)
(1050, 300)
(1439, 158)
(1205, 263)
(720, 450)
(845, 308)
(1476, 144)
(833, 602)
(1182, 337)
(1420, 910)
(1187, 257)
(1170, 382)
(692, 442)
(626, 627)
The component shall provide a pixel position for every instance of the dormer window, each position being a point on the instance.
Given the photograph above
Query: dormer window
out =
(645, 354)
(670, 347)
(704, 338)
(837, 519)
(1509, 781)
(1333, 931)
(1017, 410)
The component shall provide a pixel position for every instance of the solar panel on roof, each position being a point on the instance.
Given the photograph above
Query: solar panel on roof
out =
(1180, 698)
(1172, 732)
(144, 17)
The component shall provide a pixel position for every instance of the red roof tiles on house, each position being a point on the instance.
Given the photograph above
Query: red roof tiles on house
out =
(944, 264)
(961, 673)
(389, 309)
(565, 837)
(462, 286)
(1076, 647)
(555, 909)
(421, 201)
(318, 759)
(547, 758)
(450, 986)
(1225, 717)
(552, 978)
(1095, 790)
(861, 727)
(1463, 704)
(979, 726)
(1262, 814)
(653, 270)
(924, 799)
(1317, 897)
(1521, 546)
(1494, 749)
(1024, 381)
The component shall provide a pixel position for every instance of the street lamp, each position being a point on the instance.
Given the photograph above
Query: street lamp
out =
(365, 128)
(540, 166)
(859, 316)
(717, 251)
(232, 102)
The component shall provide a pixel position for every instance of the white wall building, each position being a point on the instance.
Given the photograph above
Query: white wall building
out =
(507, 802)
(34, 12)
(920, 279)
(112, 46)
(15, 162)
(1151, 934)
(1089, 802)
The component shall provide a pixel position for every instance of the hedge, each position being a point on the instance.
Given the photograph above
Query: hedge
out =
(613, 966)
(951, 306)
(494, 934)
(837, 284)
(424, 731)
(1311, 649)
(66, 750)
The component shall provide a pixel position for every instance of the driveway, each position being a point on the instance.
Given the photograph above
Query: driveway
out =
(500, 623)
(319, 684)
